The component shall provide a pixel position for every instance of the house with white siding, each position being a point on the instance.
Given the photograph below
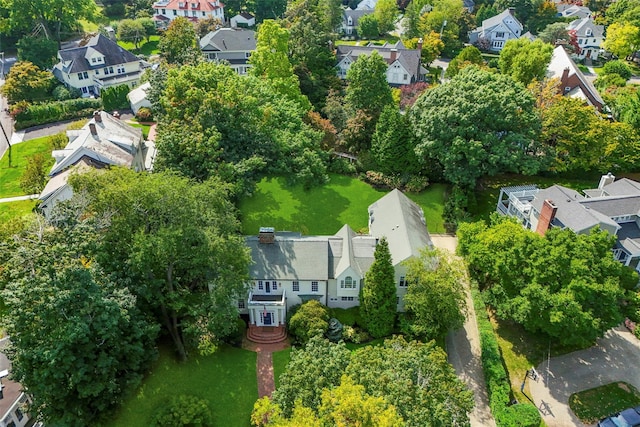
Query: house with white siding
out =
(589, 36)
(290, 268)
(497, 30)
(194, 10)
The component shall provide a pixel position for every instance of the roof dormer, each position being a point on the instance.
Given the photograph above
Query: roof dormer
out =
(94, 57)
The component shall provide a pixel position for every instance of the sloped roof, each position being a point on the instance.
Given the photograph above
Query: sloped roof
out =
(355, 14)
(408, 58)
(580, 26)
(622, 187)
(139, 94)
(402, 222)
(355, 251)
(494, 21)
(201, 5)
(229, 39)
(613, 206)
(74, 60)
(560, 60)
(573, 10)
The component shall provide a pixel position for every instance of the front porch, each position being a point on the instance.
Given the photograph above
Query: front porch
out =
(267, 317)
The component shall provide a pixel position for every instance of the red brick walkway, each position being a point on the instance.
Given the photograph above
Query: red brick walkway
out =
(264, 364)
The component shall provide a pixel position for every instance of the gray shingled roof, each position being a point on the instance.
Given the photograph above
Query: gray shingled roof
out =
(489, 23)
(623, 187)
(113, 55)
(580, 26)
(402, 222)
(629, 237)
(355, 14)
(290, 257)
(355, 251)
(613, 206)
(408, 58)
(229, 39)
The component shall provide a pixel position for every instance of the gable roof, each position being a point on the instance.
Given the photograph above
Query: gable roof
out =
(352, 250)
(561, 61)
(229, 39)
(201, 5)
(408, 58)
(580, 26)
(355, 15)
(402, 222)
(566, 11)
(74, 59)
(507, 14)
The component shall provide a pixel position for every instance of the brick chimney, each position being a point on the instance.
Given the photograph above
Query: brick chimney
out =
(394, 53)
(267, 235)
(419, 45)
(92, 128)
(547, 214)
(565, 77)
(97, 117)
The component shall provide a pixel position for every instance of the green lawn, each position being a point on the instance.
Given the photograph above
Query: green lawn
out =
(145, 128)
(10, 176)
(363, 42)
(324, 210)
(597, 403)
(12, 210)
(280, 360)
(146, 48)
(226, 379)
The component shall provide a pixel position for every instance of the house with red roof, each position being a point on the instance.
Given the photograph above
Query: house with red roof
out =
(194, 10)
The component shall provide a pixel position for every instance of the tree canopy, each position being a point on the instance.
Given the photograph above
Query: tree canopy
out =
(565, 285)
(178, 44)
(479, 123)
(525, 60)
(27, 82)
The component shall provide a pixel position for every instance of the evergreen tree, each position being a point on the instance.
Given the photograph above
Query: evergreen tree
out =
(392, 145)
(378, 297)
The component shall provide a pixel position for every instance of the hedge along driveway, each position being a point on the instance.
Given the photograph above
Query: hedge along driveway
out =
(324, 210)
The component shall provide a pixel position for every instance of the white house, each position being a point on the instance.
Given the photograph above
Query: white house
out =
(497, 30)
(350, 20)
(243, 20)
(103, 142)
(138, 97)
(589, 35)
(97, 65)
(404, 65)
(229, 45)
(614, 207)
(194, 10)
(289, 268)
(573, 11)
(13, 400)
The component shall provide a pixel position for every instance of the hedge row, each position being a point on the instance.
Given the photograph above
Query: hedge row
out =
(498, 384)
(39, 114)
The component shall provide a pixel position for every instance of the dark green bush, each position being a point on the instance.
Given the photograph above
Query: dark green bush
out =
(184, 411)
(519, 415)
(62, 93)
(144, 114)
(310, 319)
(58, 141)
(235, 338)
(115, 98)
(617, 67)
(38, 114)
(346, 316)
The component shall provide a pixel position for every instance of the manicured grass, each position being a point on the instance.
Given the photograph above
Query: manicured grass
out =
(146, 48)
(145, 128)
(10, 176)
(280, 361)
(89, 27)
(487, 196)
(600, 402)
(522, 350)
(12, 210)
(363, 42)
(324, 210)
(227, 380)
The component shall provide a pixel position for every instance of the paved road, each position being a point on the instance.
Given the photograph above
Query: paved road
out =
(463, 348)
(615, 357)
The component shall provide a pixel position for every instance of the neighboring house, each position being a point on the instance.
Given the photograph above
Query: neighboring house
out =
(572, 82)
(403, 64)
(233, 46)
(243, 20)
(497, 30)
(614, 207)
(469, 5)
(103, 142)
(590, 37)
(168, 10)
(573, 11)
(367, 5)
(138, 97)
(13, 401)
(99, 64)
(289, 268)
(350, 20)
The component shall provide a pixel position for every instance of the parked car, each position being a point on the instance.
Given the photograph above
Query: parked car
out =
(627, 418)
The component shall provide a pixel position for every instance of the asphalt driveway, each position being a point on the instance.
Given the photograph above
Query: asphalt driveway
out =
(615, 357)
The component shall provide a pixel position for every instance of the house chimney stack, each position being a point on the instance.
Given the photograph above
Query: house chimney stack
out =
(92, 128)
(606, 180)
(394, 53)
(97, 117)
(547, 215)
(565, 77)
(419, 45)
(267, 235)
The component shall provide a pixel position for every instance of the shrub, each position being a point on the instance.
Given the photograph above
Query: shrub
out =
(38, 114)
(617, 67)
(58, 141)
(34, 176)
(144, 114)
(346, 316)
(235, 337)
(310, 319)
(520, 415)
(115, 10)
(115, 98)
(78, 124)
(184, 411)
(62, 93)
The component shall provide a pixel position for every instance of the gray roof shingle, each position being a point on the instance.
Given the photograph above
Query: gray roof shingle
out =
(229, 39)
(76, 62)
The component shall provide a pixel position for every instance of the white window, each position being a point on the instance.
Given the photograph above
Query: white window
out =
(194, 5)
(194, 13)
(241, 304)
(296, 286)
(347, 298)
(94, 60)
(500, 35)
(403, 282)
(19, 414)
(163, 11)
(85, 90)
(120, 69)
(97, 72)
(404, 77)
(260, 285)
(108, 70)
(498, 44)
(175, 13)
(314, 286)
(275, 286)
(83, 75)
(203, 13)
(348, 283)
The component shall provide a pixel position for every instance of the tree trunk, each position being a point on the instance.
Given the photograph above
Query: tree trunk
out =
(171, 319)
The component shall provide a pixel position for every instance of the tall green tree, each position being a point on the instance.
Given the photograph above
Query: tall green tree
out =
(270, 62)
(470, 55)
(386, 12)
(178, 45)
(435, 299)
(78, 341)
(525, 60)
(269, 9)
(368, 27)
(623, 39)
(477, 124)
(378, 295)
(34, 176)
(40, 51)
(132, 31)
(392, 144)
(26, 82)
(446, 17)
(524, 9)
(416, 378)
(177, 242)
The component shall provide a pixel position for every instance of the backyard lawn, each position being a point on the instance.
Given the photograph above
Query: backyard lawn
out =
(145, 128)
(10, 176)
(227, 380)
(280, 360)
(15, 209)
(600, 402)
(146, 47)
(324, 210)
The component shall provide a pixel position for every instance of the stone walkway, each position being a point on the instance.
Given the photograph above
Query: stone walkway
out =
(264, 364)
